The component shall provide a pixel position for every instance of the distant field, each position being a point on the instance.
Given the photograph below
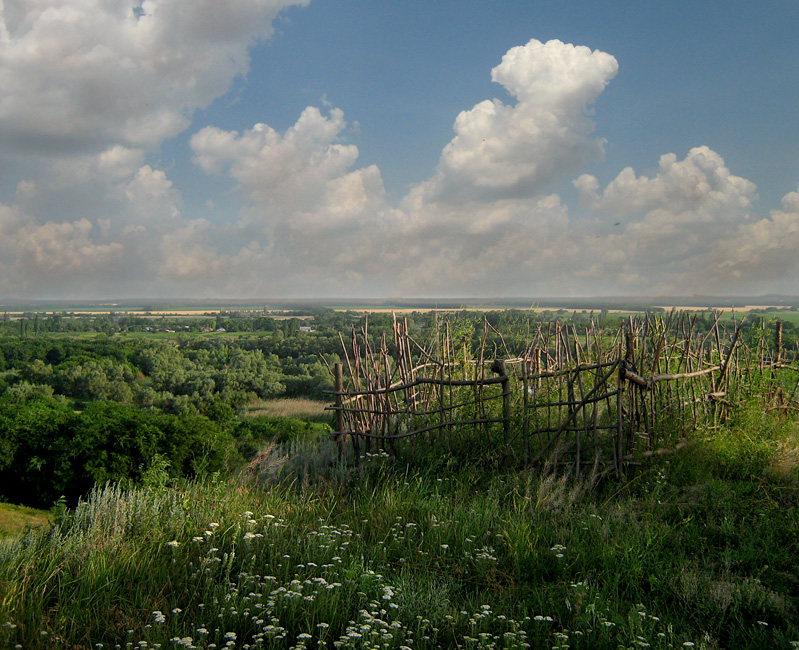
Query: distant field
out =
(721, 307)
(15, 519)
(155, 335)
(283, 311)
(788, 317)
(296, 407)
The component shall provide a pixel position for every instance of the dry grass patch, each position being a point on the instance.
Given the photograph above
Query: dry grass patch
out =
(295, 407)
(15, 519)
(786, 460)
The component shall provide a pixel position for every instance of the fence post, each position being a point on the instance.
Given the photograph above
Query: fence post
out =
(498, 367)
(629, 347)
(629, 352)
(338, 374)
(525, 412)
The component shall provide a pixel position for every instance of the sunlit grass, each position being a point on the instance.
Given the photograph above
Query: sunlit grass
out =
(295, 407)
(15, 519)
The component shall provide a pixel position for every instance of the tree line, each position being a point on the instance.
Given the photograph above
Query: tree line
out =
(49, 451)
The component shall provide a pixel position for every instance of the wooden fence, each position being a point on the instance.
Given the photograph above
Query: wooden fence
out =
(597, 399)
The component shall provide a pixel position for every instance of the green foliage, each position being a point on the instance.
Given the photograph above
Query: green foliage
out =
(35, 439)
(156, 475)
(252, 433)
(743, 448)
(48, 450)
(393, 557)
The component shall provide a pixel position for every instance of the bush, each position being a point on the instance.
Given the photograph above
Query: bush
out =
(47, 450)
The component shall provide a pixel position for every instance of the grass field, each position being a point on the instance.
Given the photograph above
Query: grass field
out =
(296, 407)
(16, 519)
(697, 549)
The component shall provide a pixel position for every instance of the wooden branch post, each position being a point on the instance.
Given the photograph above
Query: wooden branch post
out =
(629, 347)
(618, 447)
(525, 413)
(499, 368)
(338, 374)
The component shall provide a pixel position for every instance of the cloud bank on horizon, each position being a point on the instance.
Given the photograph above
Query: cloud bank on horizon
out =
(93, 89)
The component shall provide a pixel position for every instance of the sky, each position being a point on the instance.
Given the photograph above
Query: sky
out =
(398, 148)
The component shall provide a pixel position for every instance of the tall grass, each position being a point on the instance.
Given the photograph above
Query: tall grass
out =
(695, 550)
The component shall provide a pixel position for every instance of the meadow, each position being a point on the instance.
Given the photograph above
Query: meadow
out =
(17, 519)
(699, 548)
(292, 407)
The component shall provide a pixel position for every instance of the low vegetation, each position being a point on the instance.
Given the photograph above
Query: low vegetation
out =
(50, 451)
(694, 549)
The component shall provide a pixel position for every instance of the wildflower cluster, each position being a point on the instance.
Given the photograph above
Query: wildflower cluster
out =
(260, 592)
(408, 570)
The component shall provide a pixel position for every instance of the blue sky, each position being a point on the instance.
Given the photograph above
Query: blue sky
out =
(288, 148)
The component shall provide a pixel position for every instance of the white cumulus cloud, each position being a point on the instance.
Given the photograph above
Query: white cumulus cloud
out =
(302, 172)
(670, 226)
(502, 150)
(87, 74)
(485, 218)
(50, 256)
(307, 203)
(89, 89)
(758, 251)
(92, 88)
